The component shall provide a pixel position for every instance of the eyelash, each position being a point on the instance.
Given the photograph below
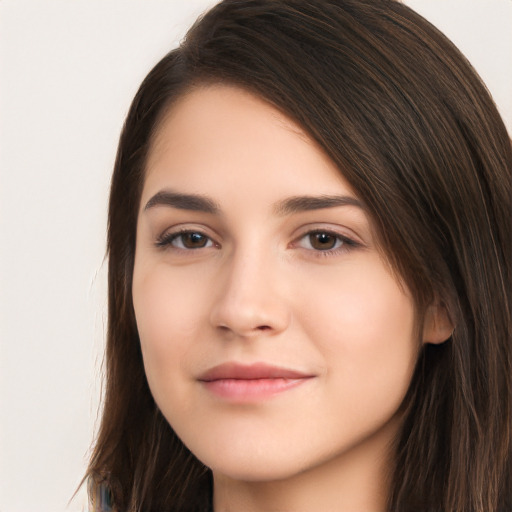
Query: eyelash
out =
(166, 240)
(346, 244)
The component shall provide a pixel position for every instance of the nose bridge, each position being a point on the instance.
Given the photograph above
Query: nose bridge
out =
(250, 264)
(250, 298)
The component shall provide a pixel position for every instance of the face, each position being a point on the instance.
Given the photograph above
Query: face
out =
(275, 337)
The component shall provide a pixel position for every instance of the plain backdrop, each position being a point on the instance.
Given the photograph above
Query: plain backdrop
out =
(68, 71)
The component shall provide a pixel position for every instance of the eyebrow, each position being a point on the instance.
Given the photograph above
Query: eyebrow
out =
(295, 204)
(307, 203)
(193, 202)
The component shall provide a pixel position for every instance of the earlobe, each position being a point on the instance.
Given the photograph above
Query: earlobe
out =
(438, 326)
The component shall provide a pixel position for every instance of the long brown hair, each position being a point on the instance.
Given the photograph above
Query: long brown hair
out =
(398, 108)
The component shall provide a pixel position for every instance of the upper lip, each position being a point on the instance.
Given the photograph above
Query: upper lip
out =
(250, 372)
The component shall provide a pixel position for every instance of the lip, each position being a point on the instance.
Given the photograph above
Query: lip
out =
(246, 383)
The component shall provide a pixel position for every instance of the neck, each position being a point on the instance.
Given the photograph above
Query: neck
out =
(355, 480)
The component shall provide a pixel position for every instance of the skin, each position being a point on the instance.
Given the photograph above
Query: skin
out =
(258, 287)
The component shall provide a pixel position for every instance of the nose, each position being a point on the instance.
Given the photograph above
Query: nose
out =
(251, 297)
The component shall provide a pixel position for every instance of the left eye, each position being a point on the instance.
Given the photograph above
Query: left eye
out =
(322, 241)
(187, 240)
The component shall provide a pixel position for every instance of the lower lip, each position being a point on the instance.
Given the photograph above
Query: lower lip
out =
(251, 389)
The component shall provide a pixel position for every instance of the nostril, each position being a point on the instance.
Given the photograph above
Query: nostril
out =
(264, 328)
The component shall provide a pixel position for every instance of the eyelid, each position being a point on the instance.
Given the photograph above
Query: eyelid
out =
(165, 239)
(349, 242)
(339, 231)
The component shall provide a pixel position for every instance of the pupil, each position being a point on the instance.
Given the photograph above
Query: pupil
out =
(323, 241)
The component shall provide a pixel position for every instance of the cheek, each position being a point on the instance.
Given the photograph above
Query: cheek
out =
(363, 323)
(167, 312)
(363, 303)
(166, 302)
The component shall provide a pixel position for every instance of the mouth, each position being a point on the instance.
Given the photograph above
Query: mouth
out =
(247, 383)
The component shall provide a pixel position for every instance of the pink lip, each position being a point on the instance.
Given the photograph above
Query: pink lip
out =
(245, 383)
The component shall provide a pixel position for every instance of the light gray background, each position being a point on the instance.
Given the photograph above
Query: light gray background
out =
(68, 71)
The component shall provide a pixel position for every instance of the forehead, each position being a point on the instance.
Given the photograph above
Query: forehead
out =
(222, 137)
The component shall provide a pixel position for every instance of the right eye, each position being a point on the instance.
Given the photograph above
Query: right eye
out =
(185, 240)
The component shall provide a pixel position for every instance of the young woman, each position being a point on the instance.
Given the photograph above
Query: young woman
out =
(309, 272)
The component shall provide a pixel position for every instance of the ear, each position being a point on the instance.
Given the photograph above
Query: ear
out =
(438, 326)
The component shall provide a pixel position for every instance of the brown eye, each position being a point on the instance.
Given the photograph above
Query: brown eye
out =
(322, 241)
(192, 240)
(185, 240)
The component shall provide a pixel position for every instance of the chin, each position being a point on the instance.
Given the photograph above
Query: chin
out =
(257, 470)
(259, 462)
(248, 459)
